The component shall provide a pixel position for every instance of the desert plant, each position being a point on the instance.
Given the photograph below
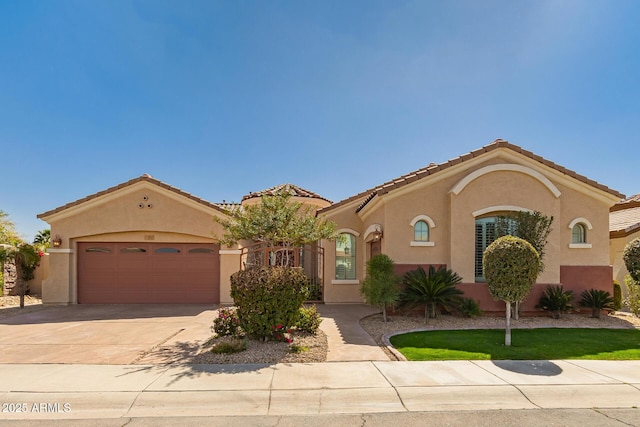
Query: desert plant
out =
(631, 257)
(597, 300)
(437, 289)
(380, 287)
(617, 295)
(229, 346)
(556, 300)
(227, 323)
(469, 307)
(309, 320)
(633, 297)
(511, 266)
(268, 297)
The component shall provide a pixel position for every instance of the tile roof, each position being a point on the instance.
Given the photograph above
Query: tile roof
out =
(433, 168)
(623, 222)
(145, 177)
(291, 189)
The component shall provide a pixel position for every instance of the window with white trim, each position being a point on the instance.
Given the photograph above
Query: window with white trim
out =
(346, 257)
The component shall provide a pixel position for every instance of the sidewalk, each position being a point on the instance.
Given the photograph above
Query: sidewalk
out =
(110, 391)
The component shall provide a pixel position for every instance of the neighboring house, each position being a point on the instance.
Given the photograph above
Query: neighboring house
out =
(145, 241)
(624, 226)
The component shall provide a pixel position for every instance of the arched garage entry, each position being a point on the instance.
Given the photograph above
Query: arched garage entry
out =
(148, 273)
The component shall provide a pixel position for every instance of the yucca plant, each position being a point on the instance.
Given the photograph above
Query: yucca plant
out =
(436, 289)
(597, 300)
(556, 300)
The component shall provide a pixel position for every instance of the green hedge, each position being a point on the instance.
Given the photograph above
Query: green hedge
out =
(268, 299)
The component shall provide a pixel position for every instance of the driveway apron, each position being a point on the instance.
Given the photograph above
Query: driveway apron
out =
(100, 334)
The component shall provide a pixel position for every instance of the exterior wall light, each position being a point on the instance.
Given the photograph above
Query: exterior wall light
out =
(57, 241)
(377, 234)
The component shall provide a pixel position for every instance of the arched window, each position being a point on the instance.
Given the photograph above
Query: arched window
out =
(346, 257)
(579, 233)
(421, 231)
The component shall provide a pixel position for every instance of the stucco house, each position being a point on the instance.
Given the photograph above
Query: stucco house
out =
(146, 242)
(624, 226)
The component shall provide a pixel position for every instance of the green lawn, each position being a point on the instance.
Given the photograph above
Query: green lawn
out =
(526, 344)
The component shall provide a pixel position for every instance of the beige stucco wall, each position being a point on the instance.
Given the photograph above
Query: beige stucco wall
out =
(117, 217)
(509, 182)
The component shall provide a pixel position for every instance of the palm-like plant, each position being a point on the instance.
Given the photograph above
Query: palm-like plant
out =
(43, 239)
(436, 289)
(596, 300)
(556, 300)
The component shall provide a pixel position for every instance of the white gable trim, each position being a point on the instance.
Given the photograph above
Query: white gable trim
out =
(424, 218)
(500, 208)
(585, 221)
(348, 230)
(505, 167)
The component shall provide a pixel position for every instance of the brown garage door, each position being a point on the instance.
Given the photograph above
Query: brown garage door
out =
(148, 273)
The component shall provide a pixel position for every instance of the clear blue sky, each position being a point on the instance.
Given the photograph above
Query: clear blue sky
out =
(220, 98)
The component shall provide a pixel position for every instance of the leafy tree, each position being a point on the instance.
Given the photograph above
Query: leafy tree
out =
(380, 287)
(631, 257)
(534, 227)
(276, 221)
(438, 288)
(511, 266)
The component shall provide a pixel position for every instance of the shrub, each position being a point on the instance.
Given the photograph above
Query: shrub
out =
(227, 323)
(309, 320)
(556, 300)
(380, 286)
(294, 348)
(437, 289)
(268, 298)
(469, 307)
(631, 257)
(633, 298)
(234, 345)
(617, 295)
(596, 300)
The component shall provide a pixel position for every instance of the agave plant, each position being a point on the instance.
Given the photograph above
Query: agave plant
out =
(436, 289)
(556, 300)
(597, 300)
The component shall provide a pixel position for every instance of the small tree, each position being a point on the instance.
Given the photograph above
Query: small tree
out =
(277, 222)
(631, 257)
(511, 266)
(438, 288)
(380, 287)
(534, 227)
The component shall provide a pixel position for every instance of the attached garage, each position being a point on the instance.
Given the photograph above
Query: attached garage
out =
(148, 273)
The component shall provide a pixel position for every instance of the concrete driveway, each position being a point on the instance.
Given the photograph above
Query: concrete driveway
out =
(105, 334)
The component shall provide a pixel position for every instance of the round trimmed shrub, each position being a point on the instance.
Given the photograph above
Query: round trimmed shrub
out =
(511, 267)
(631, 257)
(268, 299)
